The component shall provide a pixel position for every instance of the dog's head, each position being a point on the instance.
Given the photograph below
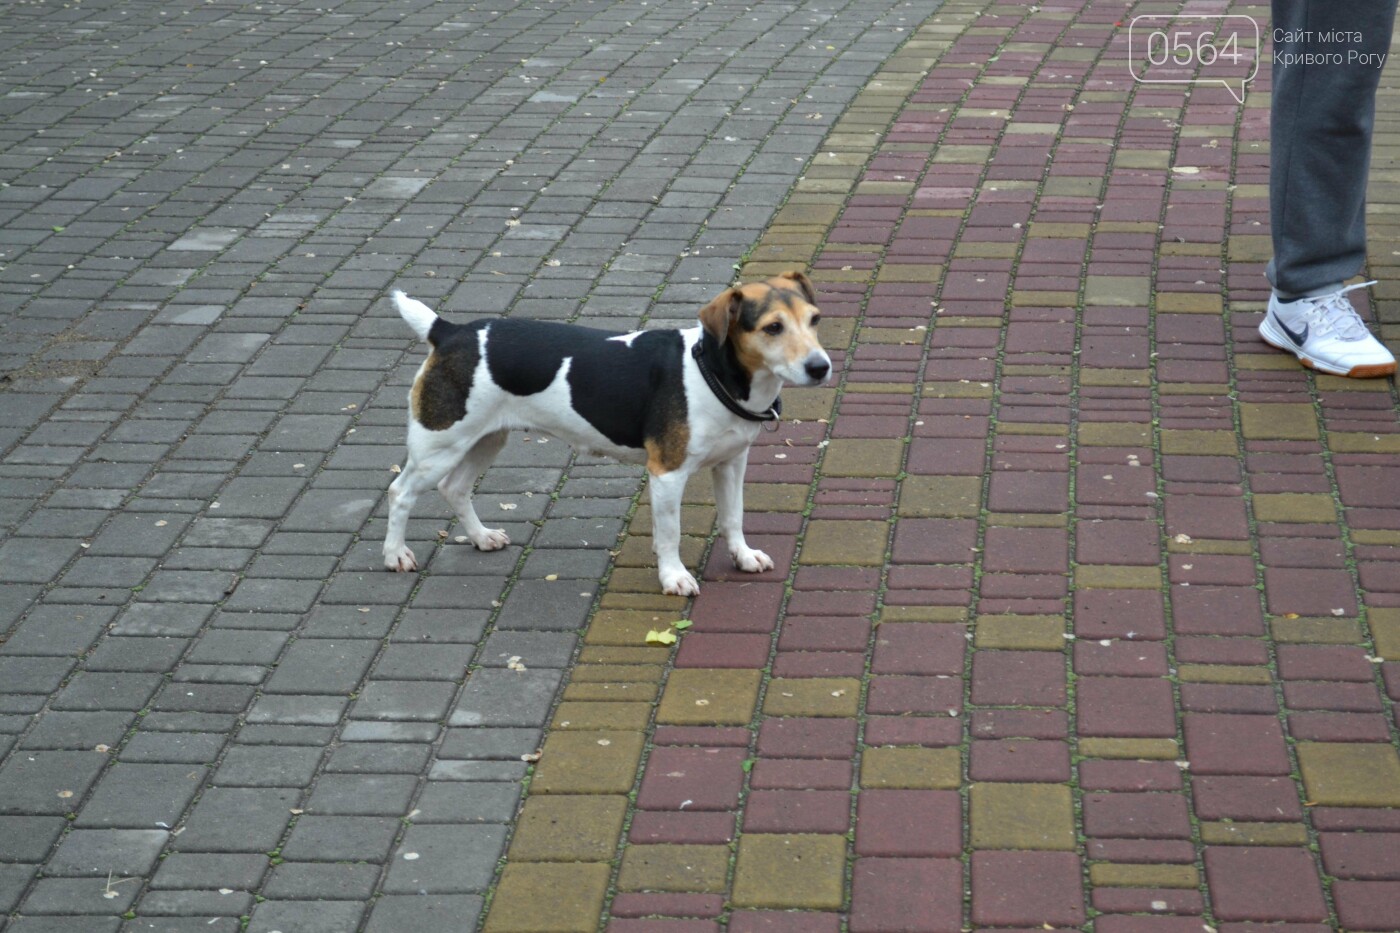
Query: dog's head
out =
(772, 326)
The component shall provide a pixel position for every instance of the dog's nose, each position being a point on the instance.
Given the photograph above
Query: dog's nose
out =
(817, 369)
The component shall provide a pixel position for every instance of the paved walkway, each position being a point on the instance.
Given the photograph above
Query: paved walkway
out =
(1082, 593)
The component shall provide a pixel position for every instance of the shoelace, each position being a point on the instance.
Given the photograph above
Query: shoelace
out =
(1334, 314)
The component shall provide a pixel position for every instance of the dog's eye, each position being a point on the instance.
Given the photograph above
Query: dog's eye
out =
(774, 329)
(816, 319)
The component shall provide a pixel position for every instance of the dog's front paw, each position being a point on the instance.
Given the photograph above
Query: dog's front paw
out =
(490, 539)
(679, 583)
(751, 561)
(400, 559)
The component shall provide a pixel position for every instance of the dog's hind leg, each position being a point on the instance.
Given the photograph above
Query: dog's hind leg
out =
(425, 468)
(456, 488)
(729, 506)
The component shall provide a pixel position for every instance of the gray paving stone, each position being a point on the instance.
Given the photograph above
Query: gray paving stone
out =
(96, 852)
(77, 730)
(33, 675)
(68, 896)
(450, 859)
(267, 766)
(238, 819)
(65, 925)
(57, 630)
(232, 905)
(298, 710)
(28, 838)
(361, 795)
(13, 880)
(318, 665)
(141, 796)
(534, 649)
(424, 662)
(483, 743)
(322, 880)
(499, 697)
(399, 700)
(436, 913)
(211, 870)
(176, 747)
(306, 916)
(90, 690)
(136, 654)
(42, 782)
(341, 838)
(176, 619)
(468, 802)
(379, 758)
(182, 925)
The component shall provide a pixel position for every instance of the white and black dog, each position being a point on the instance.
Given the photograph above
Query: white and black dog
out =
(676, 400)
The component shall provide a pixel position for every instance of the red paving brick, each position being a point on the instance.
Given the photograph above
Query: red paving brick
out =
(1264, 884)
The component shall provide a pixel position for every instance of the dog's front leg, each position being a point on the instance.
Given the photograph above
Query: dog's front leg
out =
(666, 492)
(729, 504)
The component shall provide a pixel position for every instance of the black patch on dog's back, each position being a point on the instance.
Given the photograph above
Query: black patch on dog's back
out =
(629, 393)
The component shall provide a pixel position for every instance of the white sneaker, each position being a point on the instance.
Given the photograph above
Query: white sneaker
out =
(1327, 334)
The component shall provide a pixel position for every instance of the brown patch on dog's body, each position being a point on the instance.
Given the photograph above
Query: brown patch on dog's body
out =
(668, 452)
(439, 395)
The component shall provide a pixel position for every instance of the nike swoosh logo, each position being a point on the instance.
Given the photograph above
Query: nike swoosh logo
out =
(1299, 337)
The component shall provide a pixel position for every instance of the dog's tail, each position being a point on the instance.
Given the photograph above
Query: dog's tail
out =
(418, 315)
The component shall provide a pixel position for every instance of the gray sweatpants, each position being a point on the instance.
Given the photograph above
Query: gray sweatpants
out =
(1320, 138)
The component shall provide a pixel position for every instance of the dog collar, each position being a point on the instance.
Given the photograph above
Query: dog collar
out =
(727, 400)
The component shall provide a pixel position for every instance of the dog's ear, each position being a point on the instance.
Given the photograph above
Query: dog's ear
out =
(803, 284)
(719, 315)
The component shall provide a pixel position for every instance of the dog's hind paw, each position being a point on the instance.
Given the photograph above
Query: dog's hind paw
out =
(751, 561)
(490, 539)
(400, 559)
(679, 584)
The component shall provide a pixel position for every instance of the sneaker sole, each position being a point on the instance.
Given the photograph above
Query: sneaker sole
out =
(1277, 341)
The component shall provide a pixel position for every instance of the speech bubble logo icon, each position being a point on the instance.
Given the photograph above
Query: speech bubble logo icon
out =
(1195, 48)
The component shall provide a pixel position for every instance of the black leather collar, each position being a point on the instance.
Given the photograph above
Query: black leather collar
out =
(721, 393)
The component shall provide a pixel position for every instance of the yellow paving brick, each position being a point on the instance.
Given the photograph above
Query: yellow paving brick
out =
(1313, 507)
(612, 691)
(674, 868)
(590, 716)
(1216, 443)
(1285, 421)
(1117, 577)
(833, 541)
(785, 872)
(1316, 631)
(940, 496)
(1350, 774)
(1021, 816)
(541, 897)
(1150, 749)
(1024, 633)
(911, 768)
(1385, 629)
(1254, 834)
(568, 828)
(588, 763)
(1224, 674)
(812, 696)
(1106, 874)
(709, 696)
(1114, 434)
(863, 457)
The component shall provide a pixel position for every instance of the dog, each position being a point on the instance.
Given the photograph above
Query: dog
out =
(676, 400)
